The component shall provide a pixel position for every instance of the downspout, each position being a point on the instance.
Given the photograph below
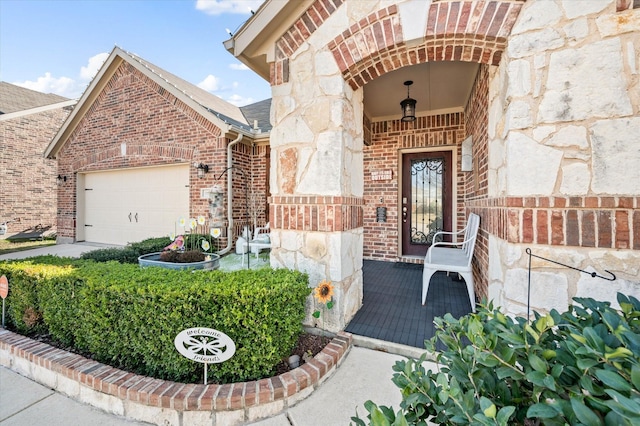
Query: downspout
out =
(230, 194)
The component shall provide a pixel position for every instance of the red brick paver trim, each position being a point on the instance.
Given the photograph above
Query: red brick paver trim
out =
(165, 395)
(590, 221)
(316, 213)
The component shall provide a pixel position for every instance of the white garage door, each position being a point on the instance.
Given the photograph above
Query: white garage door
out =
(129, 205)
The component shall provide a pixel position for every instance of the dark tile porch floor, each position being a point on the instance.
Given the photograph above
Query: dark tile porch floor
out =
(392, 307)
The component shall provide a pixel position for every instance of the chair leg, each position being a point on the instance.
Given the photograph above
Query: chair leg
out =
(427, 273)
(468, 279)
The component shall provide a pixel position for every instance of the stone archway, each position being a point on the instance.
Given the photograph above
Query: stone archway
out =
(318, 129)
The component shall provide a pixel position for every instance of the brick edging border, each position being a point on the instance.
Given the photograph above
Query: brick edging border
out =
(164, 402)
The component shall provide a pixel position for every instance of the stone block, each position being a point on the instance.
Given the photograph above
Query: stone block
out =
(575, 179)
(200, 418)
(531, 168)
(22, 366)
(537, 15)
(265, 410)
(518, 116)
(44, 376)
(548, 290)
(606, 291)
(153, 415)
(584, 83)
(575, 9)
(569, 136)
(614, 144)
(519, 78)
(229, 418)
(108, 403)
(531, 43)
(321, 174)
(577, 30)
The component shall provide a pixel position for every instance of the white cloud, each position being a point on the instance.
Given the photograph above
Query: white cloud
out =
(211, 83)
(219, 7)
(63, 86)
(95, 62)
(239, 67)
(67, 86)
(238, 100)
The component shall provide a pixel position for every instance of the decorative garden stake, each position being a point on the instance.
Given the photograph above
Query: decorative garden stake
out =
(205, 345)
(4, 291)
(323, 293)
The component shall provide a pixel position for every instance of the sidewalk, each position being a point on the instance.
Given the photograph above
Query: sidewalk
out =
(365, 374)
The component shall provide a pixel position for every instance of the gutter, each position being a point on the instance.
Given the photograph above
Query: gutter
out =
(230, 194)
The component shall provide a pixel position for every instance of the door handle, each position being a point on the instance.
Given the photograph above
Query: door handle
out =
(404, 214)
(129, 216)
(136, 216)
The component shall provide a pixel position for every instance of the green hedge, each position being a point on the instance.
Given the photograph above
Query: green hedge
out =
(131, 252)
(128, 316)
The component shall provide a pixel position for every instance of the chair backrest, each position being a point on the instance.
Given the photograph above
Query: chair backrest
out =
(470, 235)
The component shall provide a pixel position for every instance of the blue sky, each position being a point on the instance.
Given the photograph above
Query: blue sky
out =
(57, 46)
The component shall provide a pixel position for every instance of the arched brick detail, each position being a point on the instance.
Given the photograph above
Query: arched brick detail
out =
(297, 34)
(142, 153)
(471, 31)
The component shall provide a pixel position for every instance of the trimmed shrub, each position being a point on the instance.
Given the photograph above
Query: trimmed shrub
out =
(129, 253)
(581, 367)
(25, 300)
(128, 317)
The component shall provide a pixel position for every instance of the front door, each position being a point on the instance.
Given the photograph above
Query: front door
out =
(426, 199)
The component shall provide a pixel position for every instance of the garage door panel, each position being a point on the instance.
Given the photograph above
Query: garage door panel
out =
(133, 204)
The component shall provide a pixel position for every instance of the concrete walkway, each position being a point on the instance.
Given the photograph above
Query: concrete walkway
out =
(365, 374)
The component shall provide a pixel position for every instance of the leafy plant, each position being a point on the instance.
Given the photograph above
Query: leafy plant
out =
(580, 367)
(128, 317)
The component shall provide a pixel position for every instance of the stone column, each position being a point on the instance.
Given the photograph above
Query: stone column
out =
(317, 183)
(563, 155)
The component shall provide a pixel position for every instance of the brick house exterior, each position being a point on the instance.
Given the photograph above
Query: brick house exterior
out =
(545, 174)
(136, 116)
(28, 122)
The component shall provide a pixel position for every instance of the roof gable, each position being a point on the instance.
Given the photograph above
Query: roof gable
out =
(220, 113)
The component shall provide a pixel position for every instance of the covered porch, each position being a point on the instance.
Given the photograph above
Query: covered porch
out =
(392, 310)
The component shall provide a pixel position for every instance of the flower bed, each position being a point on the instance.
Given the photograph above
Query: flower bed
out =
(163, 402)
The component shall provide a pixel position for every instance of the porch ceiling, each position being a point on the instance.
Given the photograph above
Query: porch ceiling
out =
(437, 87)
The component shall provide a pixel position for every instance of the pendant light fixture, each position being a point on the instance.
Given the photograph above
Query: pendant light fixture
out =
(408, 105)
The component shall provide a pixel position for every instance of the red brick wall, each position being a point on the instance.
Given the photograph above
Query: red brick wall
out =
(28, 181)
(476, 181)
(387, 138)
(157, 128)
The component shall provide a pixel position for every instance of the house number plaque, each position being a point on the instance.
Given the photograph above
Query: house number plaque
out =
(205, 345)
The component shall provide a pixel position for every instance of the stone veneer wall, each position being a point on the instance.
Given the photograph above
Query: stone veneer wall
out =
(563, 155)
(388, 140)
(156, 129)
(29, 184)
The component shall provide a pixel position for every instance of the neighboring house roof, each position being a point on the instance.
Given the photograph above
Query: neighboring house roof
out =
(15, 98)
(221, 113)
(258, 115)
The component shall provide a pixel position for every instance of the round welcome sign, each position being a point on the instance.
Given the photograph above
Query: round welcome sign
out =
(204, 345)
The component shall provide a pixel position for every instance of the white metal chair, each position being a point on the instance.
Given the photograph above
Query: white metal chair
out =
(453, 257)
(261, 239)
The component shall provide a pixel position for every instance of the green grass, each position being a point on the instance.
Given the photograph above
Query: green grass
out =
(12, 247)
